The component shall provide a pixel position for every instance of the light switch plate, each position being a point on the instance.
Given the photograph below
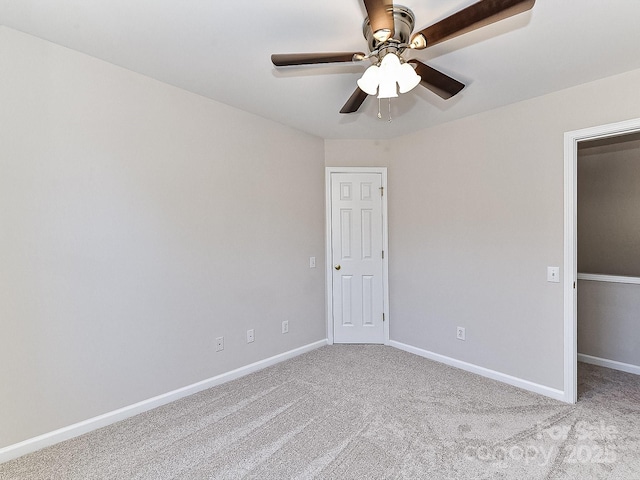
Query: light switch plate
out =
(553, 274)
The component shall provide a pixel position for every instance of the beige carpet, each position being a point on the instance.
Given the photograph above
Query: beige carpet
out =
(364, 412)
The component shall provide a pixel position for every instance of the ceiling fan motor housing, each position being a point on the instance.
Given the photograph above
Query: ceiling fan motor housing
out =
(404, 21)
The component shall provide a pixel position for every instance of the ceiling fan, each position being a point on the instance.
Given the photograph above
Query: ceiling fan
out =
(388, 31)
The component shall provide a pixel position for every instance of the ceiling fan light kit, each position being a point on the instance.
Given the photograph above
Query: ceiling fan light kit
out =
(388, 30)
(383, 78)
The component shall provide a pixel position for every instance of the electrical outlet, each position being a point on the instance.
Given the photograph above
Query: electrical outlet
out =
(285, 326)
(250, 336)
(460, 333)
(219, 344)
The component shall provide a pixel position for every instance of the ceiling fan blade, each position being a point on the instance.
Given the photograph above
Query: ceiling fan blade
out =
(436, 81)
(468, 19)
(354, 102)
(380, 13)
(287, 59)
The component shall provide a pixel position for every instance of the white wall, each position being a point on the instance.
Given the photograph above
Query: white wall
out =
(137, 223)
(475, 217)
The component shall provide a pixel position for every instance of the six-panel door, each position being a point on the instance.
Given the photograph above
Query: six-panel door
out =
(356, 236)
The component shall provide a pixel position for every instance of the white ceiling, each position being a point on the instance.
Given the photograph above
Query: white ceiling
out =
(222, 50)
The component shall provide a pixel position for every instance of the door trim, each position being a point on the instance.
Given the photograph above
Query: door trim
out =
(571, 140)
(328, 254)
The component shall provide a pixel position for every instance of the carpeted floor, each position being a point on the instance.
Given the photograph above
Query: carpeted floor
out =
(363, 412)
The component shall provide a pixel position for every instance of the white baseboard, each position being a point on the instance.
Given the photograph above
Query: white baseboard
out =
(31, 445)
(603, 362)
(485, 372)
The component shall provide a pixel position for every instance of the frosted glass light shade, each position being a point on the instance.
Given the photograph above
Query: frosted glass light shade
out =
(390, 62)
(388, 88)
(408, 79)
(370, 80)
(389, 69)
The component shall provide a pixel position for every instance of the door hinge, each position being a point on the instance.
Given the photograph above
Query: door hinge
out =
(382, 191)
(383, 254)
(574, 285)
(383, 316)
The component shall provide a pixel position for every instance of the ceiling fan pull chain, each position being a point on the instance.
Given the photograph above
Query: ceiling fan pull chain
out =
(379, 109)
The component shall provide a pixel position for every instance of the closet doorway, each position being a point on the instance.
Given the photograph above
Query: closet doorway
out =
(608, 202)
(603, 284)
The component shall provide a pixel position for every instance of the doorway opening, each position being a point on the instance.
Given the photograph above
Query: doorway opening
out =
(572, 141)
(609, 252)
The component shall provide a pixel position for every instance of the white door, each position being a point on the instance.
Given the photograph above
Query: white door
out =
(357, 257)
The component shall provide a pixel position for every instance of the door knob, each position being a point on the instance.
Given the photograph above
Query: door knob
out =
(337, 267)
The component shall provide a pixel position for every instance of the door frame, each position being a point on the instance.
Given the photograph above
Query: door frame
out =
(328, 253)
(571, 140)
